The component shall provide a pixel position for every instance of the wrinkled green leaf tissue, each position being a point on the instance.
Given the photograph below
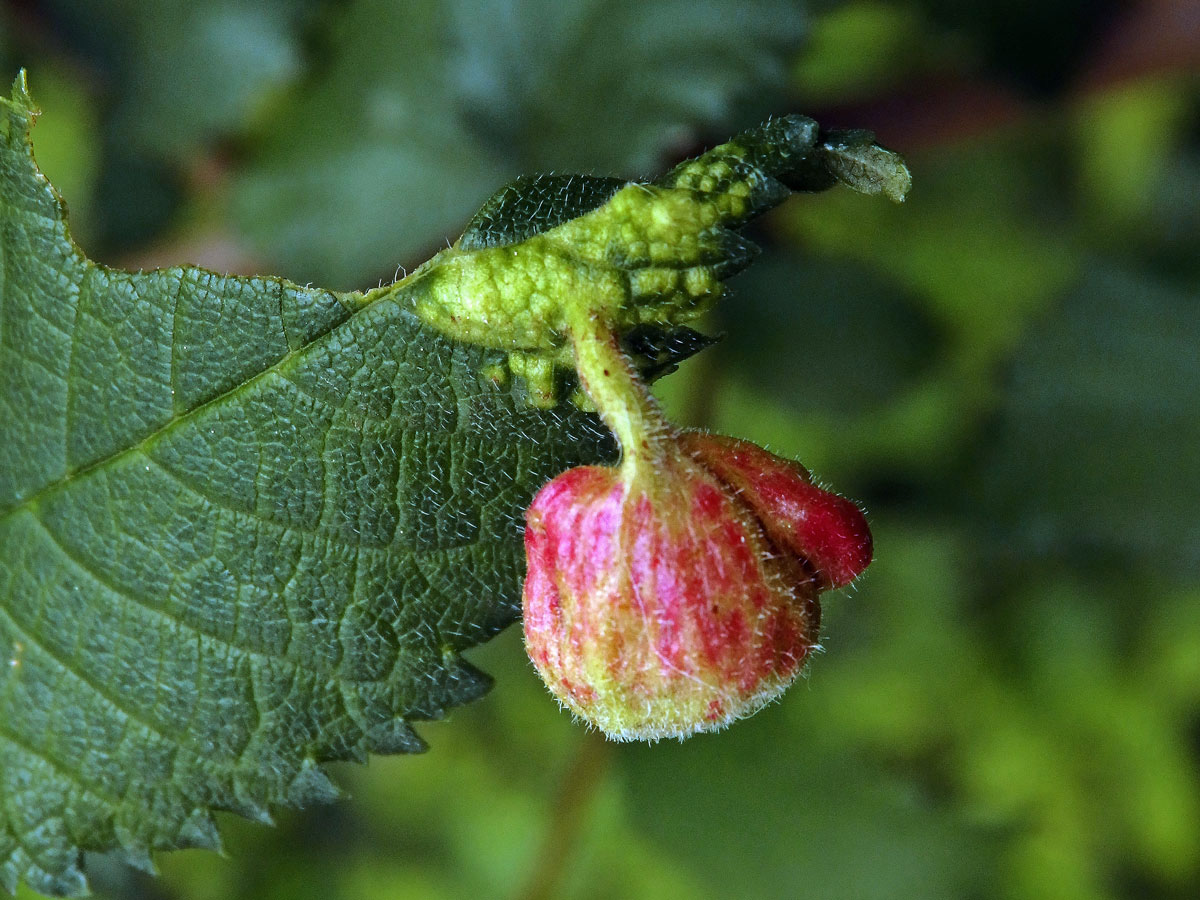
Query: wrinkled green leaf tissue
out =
(245, 528)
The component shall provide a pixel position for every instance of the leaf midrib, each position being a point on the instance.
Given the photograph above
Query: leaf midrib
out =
(355, 302)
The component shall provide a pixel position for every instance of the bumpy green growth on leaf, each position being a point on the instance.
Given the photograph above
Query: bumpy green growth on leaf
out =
(247, 527)
(634, 254)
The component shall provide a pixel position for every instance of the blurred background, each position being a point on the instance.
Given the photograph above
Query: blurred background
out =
(1005, 370)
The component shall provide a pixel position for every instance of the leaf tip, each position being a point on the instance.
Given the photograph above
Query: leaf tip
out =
(138, 857)
(8, 877)
(395, 736)
(199, 832)
(20, 93)
(311, 786)
(252, 809)
(466, 682)
(896, 187)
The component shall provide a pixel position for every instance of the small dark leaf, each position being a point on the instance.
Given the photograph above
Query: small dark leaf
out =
(860, 163)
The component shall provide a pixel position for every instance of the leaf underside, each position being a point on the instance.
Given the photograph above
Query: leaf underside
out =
(245, 528)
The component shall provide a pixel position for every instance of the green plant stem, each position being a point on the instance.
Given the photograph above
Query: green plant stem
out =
(619, 393)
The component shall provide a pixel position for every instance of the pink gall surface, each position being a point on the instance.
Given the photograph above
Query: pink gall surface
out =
(665, 604)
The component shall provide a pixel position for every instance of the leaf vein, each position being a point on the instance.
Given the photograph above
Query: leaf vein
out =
(69, 400)
(324, 533)
(36, 641)
(166, 427)
(151, 607)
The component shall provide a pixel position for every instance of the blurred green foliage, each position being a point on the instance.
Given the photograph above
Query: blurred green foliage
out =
(1004, 369)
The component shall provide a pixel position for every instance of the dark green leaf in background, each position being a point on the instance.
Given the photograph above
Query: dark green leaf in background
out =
(1097, 446)
(393, 143)
(854, 339)
(224, 59)
(168, 80)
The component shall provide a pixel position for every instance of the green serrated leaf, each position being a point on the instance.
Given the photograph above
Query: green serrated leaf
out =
(245, 527)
